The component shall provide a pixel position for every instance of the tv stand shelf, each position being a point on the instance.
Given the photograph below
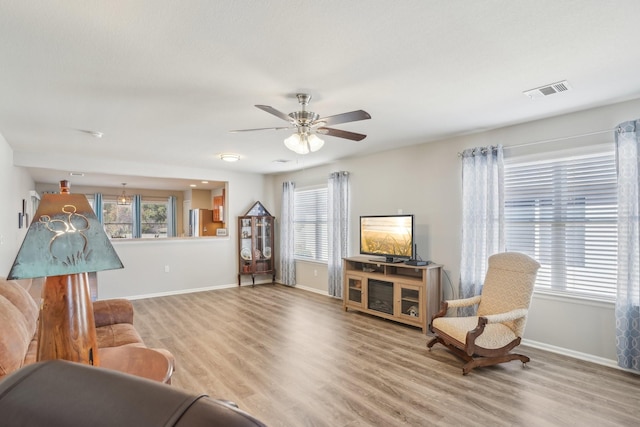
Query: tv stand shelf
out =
(403, 293)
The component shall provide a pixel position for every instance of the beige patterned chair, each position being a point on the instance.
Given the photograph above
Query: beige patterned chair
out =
(487, 338)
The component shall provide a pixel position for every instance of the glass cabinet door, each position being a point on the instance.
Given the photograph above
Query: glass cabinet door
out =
(246, 248)
(410, 300)
(262, 243)
(354, 290)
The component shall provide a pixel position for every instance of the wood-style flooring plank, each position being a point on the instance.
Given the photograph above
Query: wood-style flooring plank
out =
(295, 358)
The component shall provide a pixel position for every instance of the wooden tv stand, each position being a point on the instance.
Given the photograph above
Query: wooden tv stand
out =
(403, 293)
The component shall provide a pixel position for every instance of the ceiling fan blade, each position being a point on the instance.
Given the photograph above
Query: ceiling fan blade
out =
(341, 134)
(251, 130)
(276, 113)
(352, 116)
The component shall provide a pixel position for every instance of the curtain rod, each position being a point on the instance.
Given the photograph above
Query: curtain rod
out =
(562, 138)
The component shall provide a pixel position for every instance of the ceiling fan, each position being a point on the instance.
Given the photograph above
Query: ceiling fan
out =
(308, 124)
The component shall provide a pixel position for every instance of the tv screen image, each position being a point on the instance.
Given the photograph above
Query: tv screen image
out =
(390, 236)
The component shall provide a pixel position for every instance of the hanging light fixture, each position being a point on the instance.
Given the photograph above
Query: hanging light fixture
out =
(123, 199)
(303, 142)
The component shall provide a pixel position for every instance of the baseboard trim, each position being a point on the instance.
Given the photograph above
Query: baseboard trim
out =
(194, 290)
(309, 289)
(180, 292)
(576, 354)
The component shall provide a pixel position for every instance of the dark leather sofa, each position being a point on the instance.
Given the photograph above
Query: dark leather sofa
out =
(61, 393)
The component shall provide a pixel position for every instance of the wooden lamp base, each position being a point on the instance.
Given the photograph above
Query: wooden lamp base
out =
(67, 328)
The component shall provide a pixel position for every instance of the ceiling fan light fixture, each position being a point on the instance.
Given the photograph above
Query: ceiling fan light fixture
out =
(294, 143)
(308, 123)
(315, 143)
(303, 143)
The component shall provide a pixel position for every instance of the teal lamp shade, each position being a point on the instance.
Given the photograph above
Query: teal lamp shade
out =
(65, 237)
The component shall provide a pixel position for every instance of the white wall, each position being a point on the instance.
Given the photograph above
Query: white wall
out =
(192, 264)
(426, 180)
(15, 186)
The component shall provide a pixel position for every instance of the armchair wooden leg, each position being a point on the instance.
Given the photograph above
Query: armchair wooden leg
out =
(524, 359)
(434, 341)
(488, 361)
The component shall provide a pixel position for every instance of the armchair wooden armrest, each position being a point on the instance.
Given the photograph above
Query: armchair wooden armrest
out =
(112, 311)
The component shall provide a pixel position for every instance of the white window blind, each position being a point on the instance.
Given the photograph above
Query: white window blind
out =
(564, 214)
(310, 224)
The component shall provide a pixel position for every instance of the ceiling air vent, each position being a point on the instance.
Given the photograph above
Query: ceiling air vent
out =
(547, 90)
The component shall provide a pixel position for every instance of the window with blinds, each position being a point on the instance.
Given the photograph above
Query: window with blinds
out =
(310, 224)
(564, 214)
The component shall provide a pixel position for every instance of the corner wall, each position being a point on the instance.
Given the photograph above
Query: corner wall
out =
(16, 184)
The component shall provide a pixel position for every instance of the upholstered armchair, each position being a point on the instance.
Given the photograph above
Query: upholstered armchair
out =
(488, 338)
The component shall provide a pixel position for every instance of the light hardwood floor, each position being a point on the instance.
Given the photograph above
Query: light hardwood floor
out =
(295, 358)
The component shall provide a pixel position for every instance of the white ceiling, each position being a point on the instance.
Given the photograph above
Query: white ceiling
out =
(165, 80)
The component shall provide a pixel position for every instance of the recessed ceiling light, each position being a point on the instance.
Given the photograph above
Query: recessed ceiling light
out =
(204, 182)
(76, 174)
(192, 185)
(228, 157)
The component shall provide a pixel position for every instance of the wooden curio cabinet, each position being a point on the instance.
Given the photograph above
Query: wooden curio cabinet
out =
(255, 243)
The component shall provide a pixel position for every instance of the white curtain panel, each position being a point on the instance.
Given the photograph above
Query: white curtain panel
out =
(338, 228)
(627, 310)
(287, 258)
(482, 215)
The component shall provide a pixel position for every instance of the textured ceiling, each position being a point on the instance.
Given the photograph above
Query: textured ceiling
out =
(165, 81)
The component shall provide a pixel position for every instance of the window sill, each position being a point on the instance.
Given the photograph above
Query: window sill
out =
(574, 299)
(311, 261)
(169, 239)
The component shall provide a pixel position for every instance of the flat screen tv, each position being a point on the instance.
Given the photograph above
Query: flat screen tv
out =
(388, 236)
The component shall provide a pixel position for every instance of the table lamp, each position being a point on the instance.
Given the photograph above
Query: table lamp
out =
(65, 241)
